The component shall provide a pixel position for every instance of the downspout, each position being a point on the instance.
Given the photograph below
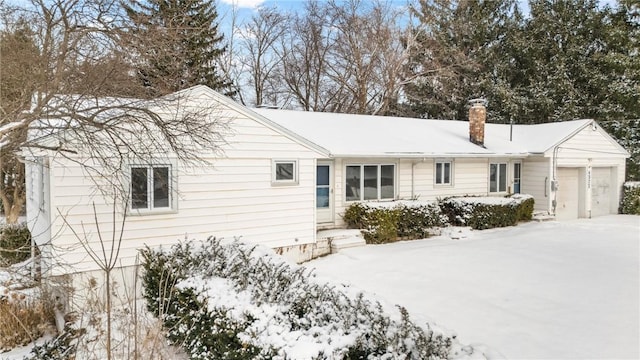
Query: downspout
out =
(589, 197)
(413, 181)
(554, 180)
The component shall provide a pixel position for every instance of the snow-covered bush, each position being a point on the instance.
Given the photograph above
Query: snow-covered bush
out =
(236, 301)
(15, 244)
(389, 221)
(630, 202)
(488, 212)
(62, 346)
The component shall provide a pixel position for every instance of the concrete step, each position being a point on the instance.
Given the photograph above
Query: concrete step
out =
(539, 217)
(345, 243)
(336, 234)
(339, 239)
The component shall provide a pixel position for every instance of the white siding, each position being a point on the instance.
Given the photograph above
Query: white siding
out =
(469, 177)
(587, 144)
(234, 198)
(536, 174)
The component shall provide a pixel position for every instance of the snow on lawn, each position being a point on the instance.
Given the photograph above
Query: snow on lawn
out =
(552, 290)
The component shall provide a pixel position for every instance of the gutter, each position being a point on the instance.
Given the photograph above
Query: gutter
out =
(427, 155)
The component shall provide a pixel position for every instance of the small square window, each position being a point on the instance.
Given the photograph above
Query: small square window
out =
(285, 172)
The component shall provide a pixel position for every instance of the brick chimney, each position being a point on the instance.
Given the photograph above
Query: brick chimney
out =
(477, 119)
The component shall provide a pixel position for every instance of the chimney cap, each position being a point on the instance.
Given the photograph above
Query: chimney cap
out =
(478, 101)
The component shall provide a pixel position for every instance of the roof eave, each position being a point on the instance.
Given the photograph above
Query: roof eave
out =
(428, 155)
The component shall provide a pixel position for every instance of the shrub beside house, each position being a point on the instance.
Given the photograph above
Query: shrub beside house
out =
(630, 202)
(407, 220)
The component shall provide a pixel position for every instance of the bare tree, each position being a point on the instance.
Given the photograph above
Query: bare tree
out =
(305, 56)
(344, 57)
(367, 55)
(259, 38)
(79, 97)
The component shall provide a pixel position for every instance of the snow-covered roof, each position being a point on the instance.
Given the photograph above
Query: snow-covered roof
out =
(349, 135)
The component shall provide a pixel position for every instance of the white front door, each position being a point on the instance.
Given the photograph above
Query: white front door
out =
(324, 192)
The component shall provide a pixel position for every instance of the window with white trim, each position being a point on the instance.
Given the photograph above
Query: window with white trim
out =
(151, 187)
(443, 172)
(284, 172)
(370, 182)
(497, 177)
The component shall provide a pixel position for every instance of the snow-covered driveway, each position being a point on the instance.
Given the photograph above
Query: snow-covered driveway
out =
(553, 290)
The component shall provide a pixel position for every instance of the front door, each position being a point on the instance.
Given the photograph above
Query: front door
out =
(517, 169)
(324, 192)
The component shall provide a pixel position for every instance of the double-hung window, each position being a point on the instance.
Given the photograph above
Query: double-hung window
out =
(497, 177)
(151, 187)
(369, 182)
(443, 172)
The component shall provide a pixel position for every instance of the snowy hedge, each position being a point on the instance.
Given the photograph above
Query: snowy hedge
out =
(488, 212)
(391, 221)
(384, 222)
(233, 301)
(630, 202)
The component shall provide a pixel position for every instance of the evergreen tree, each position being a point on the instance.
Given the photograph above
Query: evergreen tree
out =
(175, 44)
(454, 53)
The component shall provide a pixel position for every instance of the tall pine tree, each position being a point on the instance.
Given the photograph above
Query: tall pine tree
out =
(175, 44)
(454, 54)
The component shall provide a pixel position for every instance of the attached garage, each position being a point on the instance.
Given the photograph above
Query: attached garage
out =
(589, 173)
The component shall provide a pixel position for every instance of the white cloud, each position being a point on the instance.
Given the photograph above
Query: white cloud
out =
(251, 4)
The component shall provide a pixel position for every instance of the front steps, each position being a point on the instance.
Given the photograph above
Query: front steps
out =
(339, 239)
(542, 216)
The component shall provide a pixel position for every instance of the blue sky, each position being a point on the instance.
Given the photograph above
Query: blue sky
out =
(246, 7)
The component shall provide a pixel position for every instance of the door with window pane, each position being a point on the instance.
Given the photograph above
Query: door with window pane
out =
(517, 167)
(324, 192)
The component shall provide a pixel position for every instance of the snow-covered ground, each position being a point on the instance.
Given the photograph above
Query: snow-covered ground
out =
(552, 290)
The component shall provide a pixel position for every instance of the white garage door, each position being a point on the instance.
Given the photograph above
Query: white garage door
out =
(601, 191)
(568, 194)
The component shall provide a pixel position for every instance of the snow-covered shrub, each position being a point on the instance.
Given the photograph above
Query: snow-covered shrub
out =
(488, 212)
(390, 221)
(204, 332)
(62, 346)
(15, 244)
(264, 308)
(630, 202)
(416, 218)
(525, 206)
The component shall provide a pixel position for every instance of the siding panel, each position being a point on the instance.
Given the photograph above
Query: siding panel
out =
(232, 198)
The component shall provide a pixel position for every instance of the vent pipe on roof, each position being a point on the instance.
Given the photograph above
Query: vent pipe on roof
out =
(477, 120)
(510, 129)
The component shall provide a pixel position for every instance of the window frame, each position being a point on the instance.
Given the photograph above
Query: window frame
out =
(171, 191)
(498, 164)
(435, 172)
(274, 172)
(378, 181)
